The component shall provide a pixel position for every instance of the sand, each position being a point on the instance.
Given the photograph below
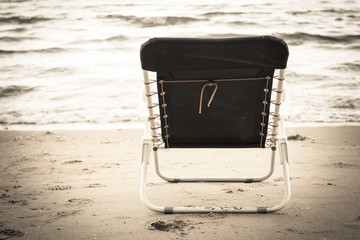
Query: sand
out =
(85, 185)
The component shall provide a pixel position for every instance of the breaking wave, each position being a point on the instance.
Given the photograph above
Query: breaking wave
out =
(14, 90)
(154, 21)
(215, 14)
(15, 30)
(225, 35)
(15, 39)
(347, 104)
(45, 50)
(352, 66)
(23, 20)
(15, 1)
(330, 10)
(338, 11)
(298, 38)
(117, 38)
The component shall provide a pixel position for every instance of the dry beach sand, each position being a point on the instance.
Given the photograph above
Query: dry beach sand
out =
(85, 185)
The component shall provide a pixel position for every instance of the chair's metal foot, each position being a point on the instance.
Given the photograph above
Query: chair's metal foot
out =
(170, 210)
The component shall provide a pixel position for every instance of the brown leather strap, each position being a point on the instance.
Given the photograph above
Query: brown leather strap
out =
(212, 96)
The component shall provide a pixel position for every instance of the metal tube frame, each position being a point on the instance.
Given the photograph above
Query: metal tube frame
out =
(150, 143)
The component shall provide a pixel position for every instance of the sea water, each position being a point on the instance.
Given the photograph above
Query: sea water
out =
(77, 61)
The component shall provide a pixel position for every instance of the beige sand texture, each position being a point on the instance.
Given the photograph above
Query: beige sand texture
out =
(85, 185)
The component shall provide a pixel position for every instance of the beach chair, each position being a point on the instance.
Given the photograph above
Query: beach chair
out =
(214, 93)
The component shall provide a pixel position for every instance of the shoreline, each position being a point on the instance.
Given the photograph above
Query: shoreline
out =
(84, 184)
(140, 125)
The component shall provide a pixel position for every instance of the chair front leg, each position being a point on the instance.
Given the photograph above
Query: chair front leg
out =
(284, 160)
(145, 159)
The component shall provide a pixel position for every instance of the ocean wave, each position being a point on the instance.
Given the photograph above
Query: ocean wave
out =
(56, 70)
(330, 10)
(15, 1)
(45, 50)
(243, 23)
(23, 20)
(293, 76)
(224, 35)
(299, 12)
(219, 13)
(14, 117)
(347, 103)
(15, 30)
(111, 5)
(7, 13)
(352, 16)
(14, 90)
(299, 38)
(68, 116)
(355, 47)
(153, 21)
(15, 39)
(117, 38)
(12, 68)
(346, 66)
(99, 40)
(338, 11)
(215, 14)
(16, 123)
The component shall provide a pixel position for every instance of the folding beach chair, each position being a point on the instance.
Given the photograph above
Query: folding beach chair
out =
(234, 77)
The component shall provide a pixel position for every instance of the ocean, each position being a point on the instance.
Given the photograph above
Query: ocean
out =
(76, 62)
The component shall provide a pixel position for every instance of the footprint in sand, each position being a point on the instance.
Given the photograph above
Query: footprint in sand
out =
(79, 201)
(58, 188)
(166, 226)
(278, 179)
(28, 169)
(72, 162)
(8, 233)
(66, 213)
(95, 185)
(294, 231)
(20, 202)
(297, 137)
(343, 165)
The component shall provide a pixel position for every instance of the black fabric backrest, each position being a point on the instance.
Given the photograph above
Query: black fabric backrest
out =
(171, 54)
(235, 116)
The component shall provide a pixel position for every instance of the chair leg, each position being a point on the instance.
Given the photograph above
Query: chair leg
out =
(146, 149)
(215, 179)
(284, 160)
(145, 158)
(285, 166)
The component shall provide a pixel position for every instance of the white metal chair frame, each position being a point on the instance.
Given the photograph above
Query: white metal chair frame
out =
(278, 140)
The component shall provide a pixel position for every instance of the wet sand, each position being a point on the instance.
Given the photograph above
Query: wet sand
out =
(85, 185)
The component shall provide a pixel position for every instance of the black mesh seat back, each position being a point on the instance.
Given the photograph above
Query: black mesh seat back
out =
(235, 116)
(233, 119)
